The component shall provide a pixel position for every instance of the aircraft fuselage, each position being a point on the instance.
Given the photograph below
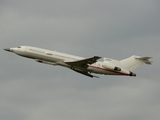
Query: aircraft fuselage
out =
(57, 58)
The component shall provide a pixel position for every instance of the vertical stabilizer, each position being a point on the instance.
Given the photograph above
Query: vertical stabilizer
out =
(133, 62)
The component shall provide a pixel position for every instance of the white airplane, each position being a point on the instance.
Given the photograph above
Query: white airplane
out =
(80, 64)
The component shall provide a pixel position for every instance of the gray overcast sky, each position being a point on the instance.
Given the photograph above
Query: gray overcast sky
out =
(115, 29)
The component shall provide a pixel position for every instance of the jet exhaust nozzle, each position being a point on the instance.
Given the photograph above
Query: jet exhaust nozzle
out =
(132, 74)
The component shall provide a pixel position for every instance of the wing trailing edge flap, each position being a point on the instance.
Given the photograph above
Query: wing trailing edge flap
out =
(86, 73)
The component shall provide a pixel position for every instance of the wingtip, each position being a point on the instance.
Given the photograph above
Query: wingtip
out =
(98, 57)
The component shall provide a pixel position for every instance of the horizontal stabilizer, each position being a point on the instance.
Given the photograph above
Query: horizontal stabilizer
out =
(145, 59)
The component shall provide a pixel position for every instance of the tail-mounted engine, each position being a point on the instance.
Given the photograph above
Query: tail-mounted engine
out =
(111, 67)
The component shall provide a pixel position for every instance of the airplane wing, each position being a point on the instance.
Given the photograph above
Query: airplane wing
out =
(84, 62)
(86, 73)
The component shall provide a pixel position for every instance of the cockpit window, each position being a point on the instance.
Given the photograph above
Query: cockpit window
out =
(19, 47)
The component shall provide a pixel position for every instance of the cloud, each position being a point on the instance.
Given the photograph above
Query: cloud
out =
(114, 29)
(130, 100)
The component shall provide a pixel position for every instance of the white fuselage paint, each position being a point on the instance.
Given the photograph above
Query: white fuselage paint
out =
(57, 58)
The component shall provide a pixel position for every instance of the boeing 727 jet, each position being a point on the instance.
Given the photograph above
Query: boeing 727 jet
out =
(85, 66)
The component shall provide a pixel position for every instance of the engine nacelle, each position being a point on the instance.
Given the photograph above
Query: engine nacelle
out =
(117, 69)
(112, 67)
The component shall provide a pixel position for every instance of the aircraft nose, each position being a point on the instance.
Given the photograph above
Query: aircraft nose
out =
(7, 49)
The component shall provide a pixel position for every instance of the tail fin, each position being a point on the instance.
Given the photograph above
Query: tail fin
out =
(133, 62)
